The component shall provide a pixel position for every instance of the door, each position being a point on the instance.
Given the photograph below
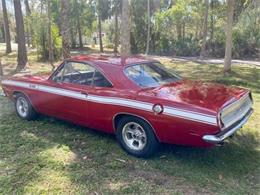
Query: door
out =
(99, 107)
(67, 91)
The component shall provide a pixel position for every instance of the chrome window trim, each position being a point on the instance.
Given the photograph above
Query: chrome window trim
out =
(83, 62)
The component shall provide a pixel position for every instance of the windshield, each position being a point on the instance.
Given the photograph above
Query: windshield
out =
(150, 75)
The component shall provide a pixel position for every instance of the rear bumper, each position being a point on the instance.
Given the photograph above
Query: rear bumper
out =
(219, 138)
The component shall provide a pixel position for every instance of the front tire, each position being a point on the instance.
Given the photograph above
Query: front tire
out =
(24, 108)
(136, 137)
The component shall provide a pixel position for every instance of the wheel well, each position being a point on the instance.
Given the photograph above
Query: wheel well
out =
(119, 116)
(15, 93)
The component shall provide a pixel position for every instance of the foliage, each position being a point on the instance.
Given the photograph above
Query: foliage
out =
(84, 14)
(56, 40)
(246, 39)
(40, 37)
(176, 29)
(176, 26)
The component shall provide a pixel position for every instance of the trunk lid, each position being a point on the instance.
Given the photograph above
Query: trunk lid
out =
(206, 95)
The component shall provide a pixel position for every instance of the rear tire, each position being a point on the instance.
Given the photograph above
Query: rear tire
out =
(24, 108)
(136, 137)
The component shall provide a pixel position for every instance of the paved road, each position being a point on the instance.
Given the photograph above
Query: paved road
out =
(209, 60)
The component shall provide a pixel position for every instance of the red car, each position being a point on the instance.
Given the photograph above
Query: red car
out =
(137, 99)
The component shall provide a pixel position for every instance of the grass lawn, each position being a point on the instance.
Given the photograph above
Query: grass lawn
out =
(50, 156)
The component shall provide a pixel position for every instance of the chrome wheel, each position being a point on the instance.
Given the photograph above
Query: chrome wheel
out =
(134, 136)
(22, 107)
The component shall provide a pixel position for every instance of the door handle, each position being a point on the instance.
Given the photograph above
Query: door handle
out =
(84, 93)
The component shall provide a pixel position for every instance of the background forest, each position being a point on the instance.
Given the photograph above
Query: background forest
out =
(161, 27)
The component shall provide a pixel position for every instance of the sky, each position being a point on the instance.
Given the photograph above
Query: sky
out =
(10, 7)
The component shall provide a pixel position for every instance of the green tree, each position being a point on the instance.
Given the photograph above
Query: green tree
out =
(148, 27)
(103, 12)
(28, 22)
(50, 44)
(125, 29)
(65, 29)
(117, 6)
(205, 30)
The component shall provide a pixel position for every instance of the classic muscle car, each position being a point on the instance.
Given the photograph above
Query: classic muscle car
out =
(137, 99)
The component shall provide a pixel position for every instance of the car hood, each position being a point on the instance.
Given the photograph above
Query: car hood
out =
(206, 95)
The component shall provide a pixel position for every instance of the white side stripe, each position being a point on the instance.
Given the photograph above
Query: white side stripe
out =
(170, 111)
(191, 116)
(122, 102)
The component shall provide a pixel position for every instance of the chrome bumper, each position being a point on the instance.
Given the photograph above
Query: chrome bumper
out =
(219, 138)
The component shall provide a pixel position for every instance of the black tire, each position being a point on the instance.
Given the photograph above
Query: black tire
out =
(30, 113)
(151, 144)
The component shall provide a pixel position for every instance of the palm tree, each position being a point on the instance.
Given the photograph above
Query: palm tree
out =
(228, 51)
(28, 26)
(116, 7)
(8, 48)
(205, 30)
(149, 27)
(22, 54)
(100, 34)
(99, 12)
(51, 56)
(125, 29)
(77, 5)
(65, 29)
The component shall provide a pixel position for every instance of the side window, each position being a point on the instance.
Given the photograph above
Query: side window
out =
(76, 73)
(81, 73)
(100, 81)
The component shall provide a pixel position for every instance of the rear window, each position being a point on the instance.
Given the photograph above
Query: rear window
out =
(150, 75)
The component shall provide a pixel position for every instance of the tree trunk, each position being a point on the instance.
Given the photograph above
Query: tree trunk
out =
(22, 54)
(178, 28)
(27, 7)
(125, 29)
(51, 56)
(100, 34)
(79, 25)
(228, 51)
(65, 29)
(205, 30)
(183, 29)
(197, 30)
(212, 26)
(28, 14)
(7, 36)
(149, 27)
(116, 29)
(3, 32)
(80, 33)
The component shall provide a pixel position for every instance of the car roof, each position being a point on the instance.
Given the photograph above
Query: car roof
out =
(109, 60)
(112, 67)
